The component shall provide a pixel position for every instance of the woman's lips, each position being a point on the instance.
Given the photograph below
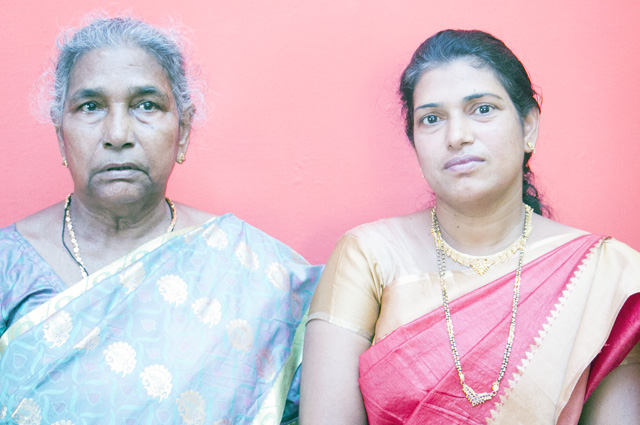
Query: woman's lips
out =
(119, 170)
(463, 163)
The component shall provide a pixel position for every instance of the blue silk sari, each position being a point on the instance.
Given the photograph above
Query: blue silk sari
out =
(200, 326)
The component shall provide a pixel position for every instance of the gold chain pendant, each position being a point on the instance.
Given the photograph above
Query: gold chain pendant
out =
(474, 397)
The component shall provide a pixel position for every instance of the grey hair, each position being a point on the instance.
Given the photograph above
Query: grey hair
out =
(103, 32)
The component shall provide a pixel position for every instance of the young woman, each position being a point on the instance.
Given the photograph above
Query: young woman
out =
(479, 309)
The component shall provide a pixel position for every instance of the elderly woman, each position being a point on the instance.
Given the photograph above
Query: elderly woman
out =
(478, 310)
(121, 306)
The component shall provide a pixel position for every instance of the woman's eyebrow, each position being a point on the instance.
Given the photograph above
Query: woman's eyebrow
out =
(146, 91)
(479, 95)
(85, 93)
(465, 99)
(427, 105)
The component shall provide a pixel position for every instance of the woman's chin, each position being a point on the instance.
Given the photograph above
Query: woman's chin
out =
(124, 194)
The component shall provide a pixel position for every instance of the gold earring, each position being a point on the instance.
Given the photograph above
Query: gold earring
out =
(181, 158)
(531, 147)
(64, 162)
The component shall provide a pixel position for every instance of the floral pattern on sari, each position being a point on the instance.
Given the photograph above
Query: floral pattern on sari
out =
(187, 329)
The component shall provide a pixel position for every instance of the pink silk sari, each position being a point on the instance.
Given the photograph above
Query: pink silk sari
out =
(409, 376)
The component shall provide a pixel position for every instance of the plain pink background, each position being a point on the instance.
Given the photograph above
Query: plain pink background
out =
(304, 135)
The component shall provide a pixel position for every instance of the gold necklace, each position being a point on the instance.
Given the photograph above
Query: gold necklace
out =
(72, 235)
(474, 397)
(481, 264)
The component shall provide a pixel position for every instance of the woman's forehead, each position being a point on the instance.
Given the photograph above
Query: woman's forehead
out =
(116, 68)
(459, 78)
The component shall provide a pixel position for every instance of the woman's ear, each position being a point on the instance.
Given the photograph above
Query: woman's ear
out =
(530, 129)
(60, 137)
(185, 130)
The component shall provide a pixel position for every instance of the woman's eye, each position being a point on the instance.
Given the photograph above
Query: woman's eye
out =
(430, 119)
(89, 107)
(484, 109)
(147, 106)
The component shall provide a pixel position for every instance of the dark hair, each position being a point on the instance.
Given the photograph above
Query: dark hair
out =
(449, 45)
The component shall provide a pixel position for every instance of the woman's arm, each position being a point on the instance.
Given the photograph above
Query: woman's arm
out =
(616, 400)
(343, 315)
(571, 412)
(329, 391)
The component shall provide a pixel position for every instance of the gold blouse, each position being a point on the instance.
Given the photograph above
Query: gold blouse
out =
(383, 275)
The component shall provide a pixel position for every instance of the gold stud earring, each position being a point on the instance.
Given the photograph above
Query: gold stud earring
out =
(531, 147)
(64, 163)
(181, 158)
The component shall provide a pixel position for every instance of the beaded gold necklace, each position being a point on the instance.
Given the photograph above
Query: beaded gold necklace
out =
(471, 395)
(72, 234)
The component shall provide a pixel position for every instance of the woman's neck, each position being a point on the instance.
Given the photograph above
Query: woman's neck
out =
(481, 231)
(101, 226)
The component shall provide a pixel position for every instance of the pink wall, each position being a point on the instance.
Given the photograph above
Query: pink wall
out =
(304, 135)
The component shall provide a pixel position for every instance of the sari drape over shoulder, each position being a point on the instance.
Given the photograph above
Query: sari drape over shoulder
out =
(200, 326)
(579, 308)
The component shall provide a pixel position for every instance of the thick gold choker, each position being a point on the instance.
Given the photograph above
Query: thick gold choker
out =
(481, 264)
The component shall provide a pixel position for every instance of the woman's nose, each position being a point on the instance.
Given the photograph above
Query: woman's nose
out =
(118, 128)
(459, 131)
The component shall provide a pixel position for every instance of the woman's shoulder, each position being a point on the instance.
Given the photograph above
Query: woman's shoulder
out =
(545, 228)
(229, 231)
(623, 253)
(400, 245)
(19, 241)
(550, 232)
(41, 232)
(9, 237)
(190, 216)
(40, 225)
(393, 227)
